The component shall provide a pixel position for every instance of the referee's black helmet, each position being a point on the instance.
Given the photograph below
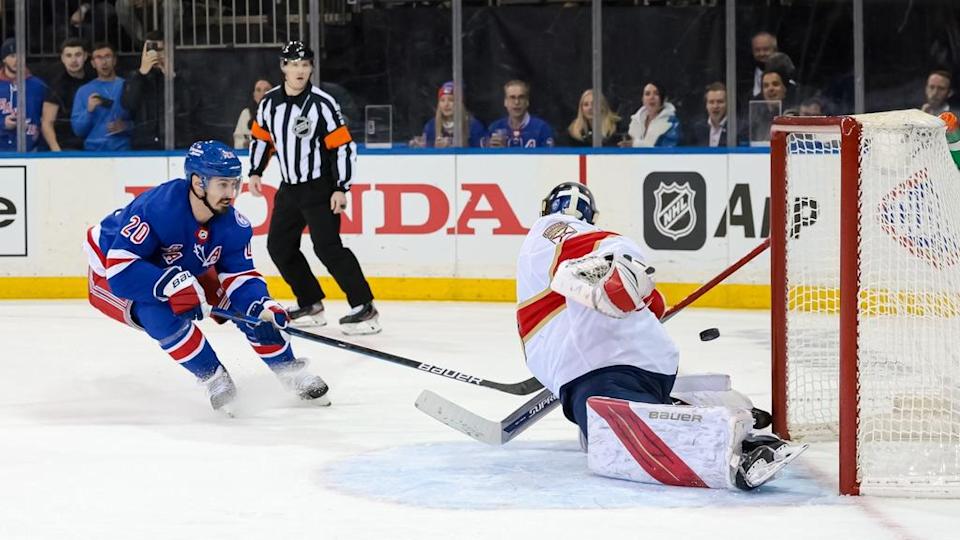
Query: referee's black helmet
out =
(295, 50)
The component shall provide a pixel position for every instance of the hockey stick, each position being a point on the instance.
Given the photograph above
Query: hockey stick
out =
(479, 428)
(490, 431)
(705, 288)
(521, 388)
(499, 433)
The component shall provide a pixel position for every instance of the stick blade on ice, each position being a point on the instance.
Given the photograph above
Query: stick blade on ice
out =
(460, 419)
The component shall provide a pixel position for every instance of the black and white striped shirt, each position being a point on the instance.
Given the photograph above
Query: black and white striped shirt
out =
(308, 134)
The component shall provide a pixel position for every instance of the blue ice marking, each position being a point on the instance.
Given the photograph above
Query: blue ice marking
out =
(535, 475)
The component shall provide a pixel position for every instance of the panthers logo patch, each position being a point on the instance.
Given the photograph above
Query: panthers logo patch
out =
(558, 232)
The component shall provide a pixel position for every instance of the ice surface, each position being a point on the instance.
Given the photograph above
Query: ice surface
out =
(103, 436)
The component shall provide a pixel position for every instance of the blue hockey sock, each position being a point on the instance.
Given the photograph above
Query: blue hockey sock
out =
(189, 348)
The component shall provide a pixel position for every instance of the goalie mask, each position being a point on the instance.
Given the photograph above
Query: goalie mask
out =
(572, 199)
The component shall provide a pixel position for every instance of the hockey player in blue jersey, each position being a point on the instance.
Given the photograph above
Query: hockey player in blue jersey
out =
(160, 263)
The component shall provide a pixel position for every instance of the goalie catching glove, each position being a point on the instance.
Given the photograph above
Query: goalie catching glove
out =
(613, 284)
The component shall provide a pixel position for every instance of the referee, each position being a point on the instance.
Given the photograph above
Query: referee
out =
(304, 127)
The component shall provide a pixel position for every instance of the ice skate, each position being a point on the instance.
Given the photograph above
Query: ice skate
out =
(221, 391)
(310, 316)
(362, 319)
(764, 456)
(306, 385)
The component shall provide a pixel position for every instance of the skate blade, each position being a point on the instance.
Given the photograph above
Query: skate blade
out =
(227, 411)
(322, 401)
(760, 474)
(361, 328)
(309, 322)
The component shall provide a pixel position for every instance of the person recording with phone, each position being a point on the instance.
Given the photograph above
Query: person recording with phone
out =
(98, 117)
(143, 96)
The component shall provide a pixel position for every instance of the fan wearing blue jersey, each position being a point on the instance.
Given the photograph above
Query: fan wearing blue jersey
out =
(160, 263)
(519, 128)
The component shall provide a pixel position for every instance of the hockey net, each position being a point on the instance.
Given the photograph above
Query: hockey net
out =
(866, 297)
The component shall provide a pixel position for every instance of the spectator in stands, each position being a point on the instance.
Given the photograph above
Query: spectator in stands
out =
(519, 128)
(812, 106)
(98, 115)
(143, 97)
(763, 44)
(782, 64)
(776, 88)
(241, 133)
(655, 123)
(938, 90)
(472, 131)
(776, 100)
(58, 106)
(580, 130)
(36, 92)
(133, 14)
(712, 130)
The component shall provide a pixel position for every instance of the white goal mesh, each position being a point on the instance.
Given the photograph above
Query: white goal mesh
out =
(908, 323)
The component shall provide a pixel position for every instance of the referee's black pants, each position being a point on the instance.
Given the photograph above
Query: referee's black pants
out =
(308, 204)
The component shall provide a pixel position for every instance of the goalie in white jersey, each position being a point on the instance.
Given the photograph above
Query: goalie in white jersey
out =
(588, 315)
(627, 357)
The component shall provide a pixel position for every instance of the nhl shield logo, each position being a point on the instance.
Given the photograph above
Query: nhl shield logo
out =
(675, 210)
(302, 126)
(674, 214)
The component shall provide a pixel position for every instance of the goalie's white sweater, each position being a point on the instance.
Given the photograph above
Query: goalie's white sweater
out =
(563, 339)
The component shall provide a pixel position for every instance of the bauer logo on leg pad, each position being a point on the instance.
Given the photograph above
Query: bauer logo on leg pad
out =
(663, 444)
(675, 416)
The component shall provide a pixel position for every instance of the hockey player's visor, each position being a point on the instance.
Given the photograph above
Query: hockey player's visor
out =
(232, 183)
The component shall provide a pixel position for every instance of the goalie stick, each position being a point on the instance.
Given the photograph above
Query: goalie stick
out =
(499, 433)
(521, 388)
(479, 428)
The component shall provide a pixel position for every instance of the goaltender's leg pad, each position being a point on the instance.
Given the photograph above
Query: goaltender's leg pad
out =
(665, 444)
(709, 390)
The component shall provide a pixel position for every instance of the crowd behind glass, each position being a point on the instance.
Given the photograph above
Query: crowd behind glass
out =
(83, 102)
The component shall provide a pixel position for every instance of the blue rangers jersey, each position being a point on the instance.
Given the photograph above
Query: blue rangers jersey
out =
(156, 231)
(533, 132)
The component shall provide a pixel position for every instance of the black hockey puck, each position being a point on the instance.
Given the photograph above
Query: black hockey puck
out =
(709, 334)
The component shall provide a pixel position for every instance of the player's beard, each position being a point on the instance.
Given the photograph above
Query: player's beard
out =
(220, 210)
(205, 199)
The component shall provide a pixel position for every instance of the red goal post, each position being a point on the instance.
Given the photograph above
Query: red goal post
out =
(865, 293)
